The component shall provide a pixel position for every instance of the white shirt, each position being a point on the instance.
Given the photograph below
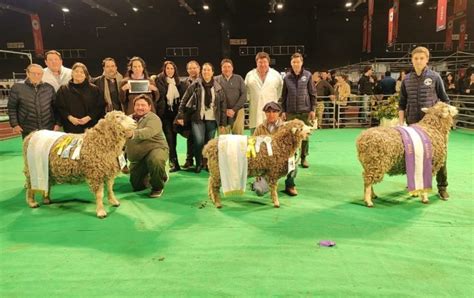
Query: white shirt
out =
(55, 81)
(260, 93)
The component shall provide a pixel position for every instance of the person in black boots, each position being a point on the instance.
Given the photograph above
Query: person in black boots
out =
(79, 104)
(208, 98)
(171, 91)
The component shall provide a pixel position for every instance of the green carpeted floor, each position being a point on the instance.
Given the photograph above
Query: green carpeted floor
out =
(180, 245)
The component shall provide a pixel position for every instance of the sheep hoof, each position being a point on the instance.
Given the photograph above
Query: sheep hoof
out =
(46, 201)
(101, 214)
(425, 201)
(369, 204)
(114, 203)
(33, 205)
(276, 205)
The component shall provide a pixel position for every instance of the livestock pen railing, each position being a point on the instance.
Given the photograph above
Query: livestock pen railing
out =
(356, 113)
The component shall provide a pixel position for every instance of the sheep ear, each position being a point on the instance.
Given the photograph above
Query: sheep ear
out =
(424, 110)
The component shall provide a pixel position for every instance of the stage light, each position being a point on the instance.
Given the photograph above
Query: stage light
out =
(419, 2)
(205, 7)
(65, 9)
(348, 4)
(280, 6)
(135, 9)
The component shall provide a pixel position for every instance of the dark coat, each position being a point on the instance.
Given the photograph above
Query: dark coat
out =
(419, 92)
(31, 106)
(100, 83)
(298, 94)
(79, 100)
(219, 107)
(163, 110)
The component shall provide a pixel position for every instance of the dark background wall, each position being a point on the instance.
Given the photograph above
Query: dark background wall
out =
(332, 36)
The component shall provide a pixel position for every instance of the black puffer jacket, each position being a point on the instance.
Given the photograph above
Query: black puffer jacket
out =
(31, 106)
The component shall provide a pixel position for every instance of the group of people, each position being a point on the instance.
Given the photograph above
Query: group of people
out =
(197, 107)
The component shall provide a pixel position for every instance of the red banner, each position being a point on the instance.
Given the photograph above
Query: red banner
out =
(441, 15)
(462, 34)
(371, 8)
(449, 34)
(369, 26)
(37, 36)
(364, 34)
(390, 27)
(396, 12)
(460, 7)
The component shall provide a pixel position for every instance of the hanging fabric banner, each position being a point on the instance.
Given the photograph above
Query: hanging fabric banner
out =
(364, 34)
(449, 34)
(462, 34)
(441, 15)
(369, 26)
(460, 7)
(390, 27)
(37, 36)
(396, 12)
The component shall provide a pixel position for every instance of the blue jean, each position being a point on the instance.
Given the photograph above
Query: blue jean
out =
(203, 131)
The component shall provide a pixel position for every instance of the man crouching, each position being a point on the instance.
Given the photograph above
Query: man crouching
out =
(270, 126)
(147, 149)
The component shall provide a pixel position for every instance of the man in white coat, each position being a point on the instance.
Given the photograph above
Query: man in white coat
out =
(264, 84)
(55, 73)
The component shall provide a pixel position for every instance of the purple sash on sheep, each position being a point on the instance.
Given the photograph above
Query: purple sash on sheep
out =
(418, 158)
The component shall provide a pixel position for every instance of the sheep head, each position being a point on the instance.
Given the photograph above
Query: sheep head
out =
(298, 128)
(120, 118)
(441, 110)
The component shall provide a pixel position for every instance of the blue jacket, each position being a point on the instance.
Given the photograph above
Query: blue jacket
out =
(298, 94)
(419, 92)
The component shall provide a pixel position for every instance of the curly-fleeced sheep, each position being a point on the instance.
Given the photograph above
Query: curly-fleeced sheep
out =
(381, 150)
(98, 162)
(285, 142)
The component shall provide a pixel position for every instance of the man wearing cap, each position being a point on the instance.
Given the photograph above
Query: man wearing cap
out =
(270, 125)
(147, 149)
(298, 99)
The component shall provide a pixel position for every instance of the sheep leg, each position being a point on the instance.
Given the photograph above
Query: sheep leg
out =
(99, 196)
(30, 198)
(274, 194)
(374, 196)
(213, 190)
(424, 197)
(368, 195)
(110, 193)
(47, 196)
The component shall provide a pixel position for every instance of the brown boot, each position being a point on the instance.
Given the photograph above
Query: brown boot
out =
(304, 163)
(291, 191)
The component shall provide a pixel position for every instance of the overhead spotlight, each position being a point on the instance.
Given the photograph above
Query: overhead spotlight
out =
(420, 2)
(65, 9)
(135, 9)
(270, 21)
(347, 19)
(199, 22)
(280, 6)
(348, 4)
(205, 7)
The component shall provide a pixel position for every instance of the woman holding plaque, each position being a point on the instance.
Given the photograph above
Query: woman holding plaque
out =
(137, 82)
